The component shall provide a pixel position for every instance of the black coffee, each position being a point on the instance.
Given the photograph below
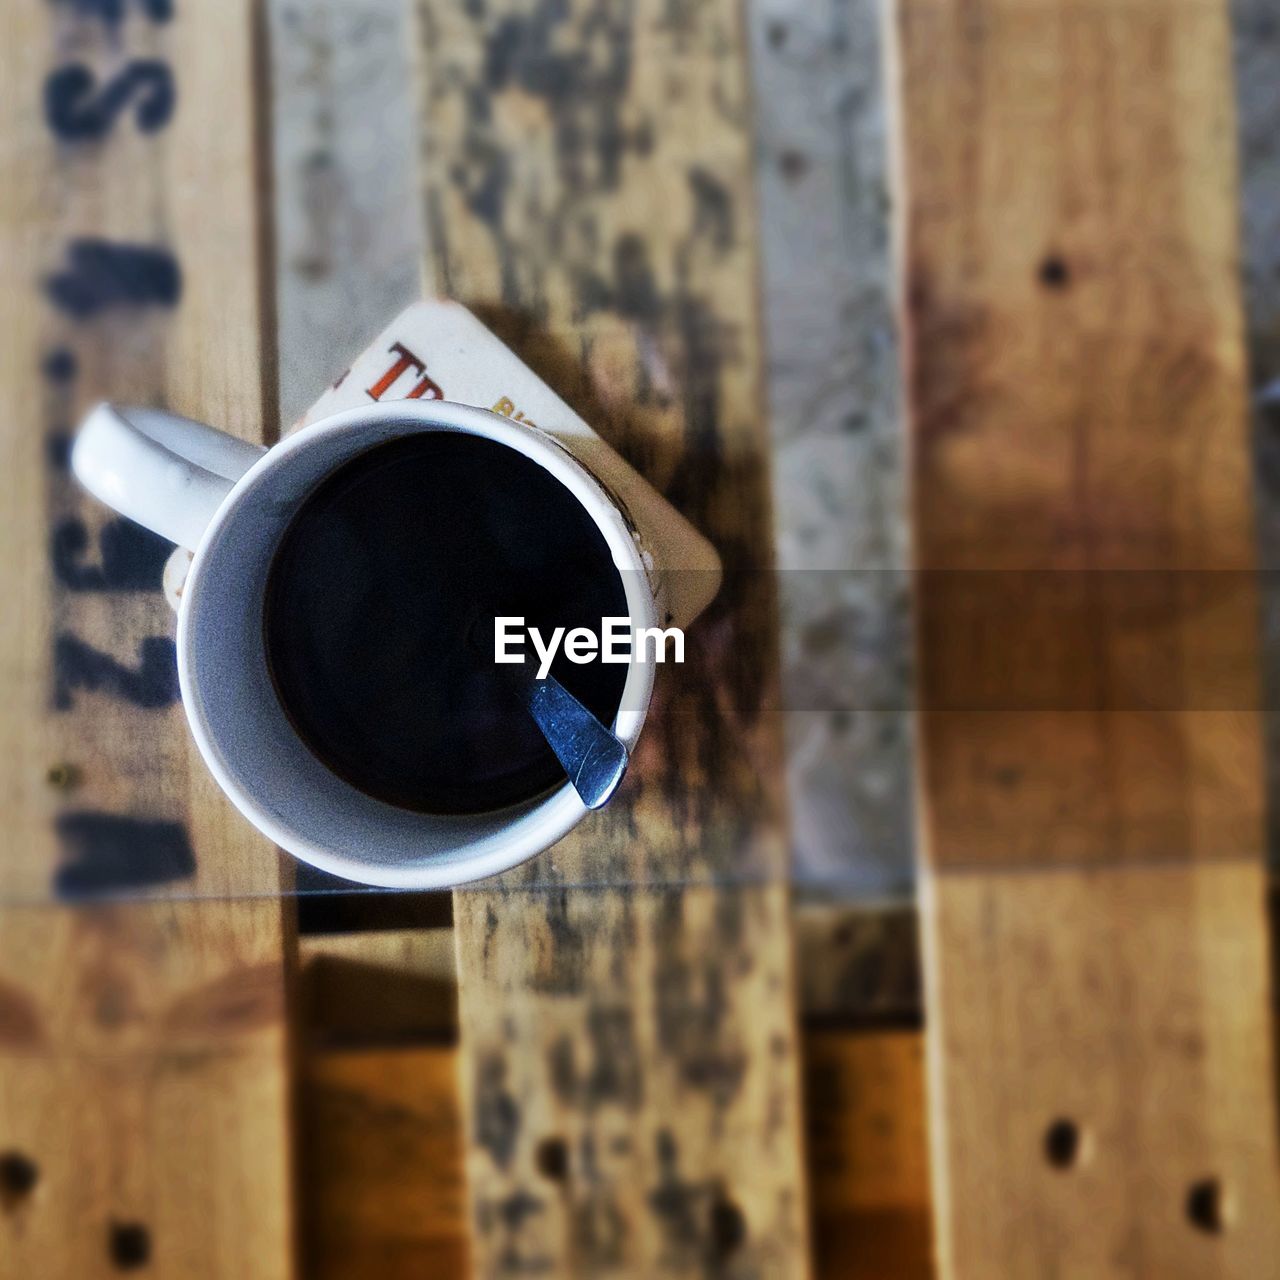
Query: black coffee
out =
(376, 596)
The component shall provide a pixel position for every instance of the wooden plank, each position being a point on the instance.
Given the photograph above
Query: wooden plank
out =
(834, 388)
(646, 1039)
(383, 1196)
(588, 191)
(347, 229)
(143, 1045)
(868, 1155)
(1096, 960)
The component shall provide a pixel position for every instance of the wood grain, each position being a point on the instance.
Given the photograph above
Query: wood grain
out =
(383, 1196)
(1092, 800)
(868, 1154)
(143, 1044)
(588, 192)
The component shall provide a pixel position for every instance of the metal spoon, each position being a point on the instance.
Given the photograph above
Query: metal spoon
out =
(593, 756)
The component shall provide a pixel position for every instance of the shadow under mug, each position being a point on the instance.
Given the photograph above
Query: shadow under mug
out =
(230, 503)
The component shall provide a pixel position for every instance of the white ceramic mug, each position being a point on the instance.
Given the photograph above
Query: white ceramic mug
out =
(230, 502)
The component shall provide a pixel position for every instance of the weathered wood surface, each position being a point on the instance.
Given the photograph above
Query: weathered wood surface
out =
(833, 383)
(1096, 955)
(383, 1193)
(347, 227)
(587, 177)
(143, 1083)
(382, 1183)
(647, 1036)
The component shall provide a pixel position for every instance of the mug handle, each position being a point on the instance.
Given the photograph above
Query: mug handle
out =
(168, 473)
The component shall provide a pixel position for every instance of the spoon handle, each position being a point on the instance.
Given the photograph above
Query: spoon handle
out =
(592, 755)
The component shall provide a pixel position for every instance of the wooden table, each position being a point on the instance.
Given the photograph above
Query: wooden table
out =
(635, 1057)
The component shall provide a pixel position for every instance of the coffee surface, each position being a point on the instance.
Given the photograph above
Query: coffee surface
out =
(379, 619)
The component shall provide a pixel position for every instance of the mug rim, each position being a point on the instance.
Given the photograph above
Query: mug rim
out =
(546, 819)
